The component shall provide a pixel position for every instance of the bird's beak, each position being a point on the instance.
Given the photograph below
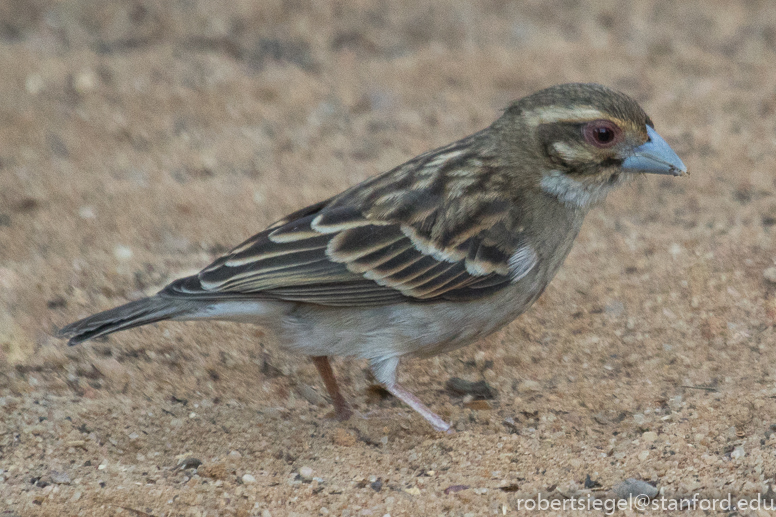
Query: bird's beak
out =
(655, 157)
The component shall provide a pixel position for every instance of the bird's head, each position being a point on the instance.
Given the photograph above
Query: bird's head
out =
(585, 139)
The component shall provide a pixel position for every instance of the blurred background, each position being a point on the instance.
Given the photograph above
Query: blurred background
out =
(140, 139)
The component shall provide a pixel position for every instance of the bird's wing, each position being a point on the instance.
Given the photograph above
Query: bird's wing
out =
(428, 230)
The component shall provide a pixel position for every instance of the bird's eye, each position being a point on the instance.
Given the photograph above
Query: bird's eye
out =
(602, 133)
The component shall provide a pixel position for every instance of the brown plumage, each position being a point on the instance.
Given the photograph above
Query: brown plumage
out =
(431, 255)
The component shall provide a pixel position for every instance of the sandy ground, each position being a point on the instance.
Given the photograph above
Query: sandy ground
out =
(140, 139)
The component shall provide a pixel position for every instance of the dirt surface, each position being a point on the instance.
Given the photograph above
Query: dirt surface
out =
(140, 139)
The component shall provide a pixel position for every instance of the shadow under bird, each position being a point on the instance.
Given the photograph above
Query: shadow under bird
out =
(429, 256)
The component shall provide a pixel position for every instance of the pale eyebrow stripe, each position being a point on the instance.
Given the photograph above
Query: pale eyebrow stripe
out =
(552, 114)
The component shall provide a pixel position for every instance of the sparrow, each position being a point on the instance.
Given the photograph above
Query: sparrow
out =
(430, 256)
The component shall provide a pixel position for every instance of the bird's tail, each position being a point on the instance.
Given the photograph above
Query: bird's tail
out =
(132, 314)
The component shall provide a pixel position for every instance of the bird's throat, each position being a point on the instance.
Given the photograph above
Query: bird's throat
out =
(580, 191)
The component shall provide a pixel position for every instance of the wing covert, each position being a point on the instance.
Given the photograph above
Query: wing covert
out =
(426, 231)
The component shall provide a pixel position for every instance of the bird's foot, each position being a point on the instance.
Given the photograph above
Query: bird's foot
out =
(412, 401)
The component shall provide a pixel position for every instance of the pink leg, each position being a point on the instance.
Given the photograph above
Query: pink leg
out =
(412, 401)
(341, 406)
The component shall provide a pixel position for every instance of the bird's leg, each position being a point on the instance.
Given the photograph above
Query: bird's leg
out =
(412, 401)
(341, 406)
(384, 370)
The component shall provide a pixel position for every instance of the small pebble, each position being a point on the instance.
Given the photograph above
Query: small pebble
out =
(455, 488)
(248, 479)
(60, 478)
(34, 84)
(649, 436)
(478, 405)
(738, 452)
(479, 390)
(480, 359)
(122, 252)
(529, 385)
(308, 393)
(770, 275)
(189, 463)
(306, 473)
(86, 212)
(85, 81)
(633, 488)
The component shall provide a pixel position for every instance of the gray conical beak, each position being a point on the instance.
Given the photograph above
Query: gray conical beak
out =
(654, 157)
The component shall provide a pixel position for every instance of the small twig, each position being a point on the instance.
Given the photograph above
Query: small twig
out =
(704, 388)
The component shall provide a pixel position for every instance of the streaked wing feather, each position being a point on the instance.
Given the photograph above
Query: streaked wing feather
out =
(340, 294)
(387, 240)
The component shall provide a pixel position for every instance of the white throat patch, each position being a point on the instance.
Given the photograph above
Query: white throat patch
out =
(576, 193)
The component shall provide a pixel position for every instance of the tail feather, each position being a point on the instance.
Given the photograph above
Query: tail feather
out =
(132, 314)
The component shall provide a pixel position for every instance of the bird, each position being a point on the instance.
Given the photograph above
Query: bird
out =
(427, 257)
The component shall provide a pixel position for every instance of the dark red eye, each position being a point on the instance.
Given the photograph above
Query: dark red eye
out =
(602, 133)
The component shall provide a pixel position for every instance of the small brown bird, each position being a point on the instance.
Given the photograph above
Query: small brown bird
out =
(427, 257)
